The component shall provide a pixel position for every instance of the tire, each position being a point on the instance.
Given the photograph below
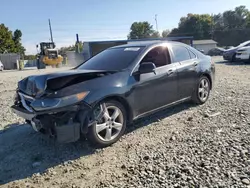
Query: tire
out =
(233, 58)
(108, 125)
(197, 95)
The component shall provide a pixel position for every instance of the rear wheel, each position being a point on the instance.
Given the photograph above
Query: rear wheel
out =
(202, 91)
(110, 127)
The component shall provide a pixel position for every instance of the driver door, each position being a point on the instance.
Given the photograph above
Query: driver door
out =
(156, 89)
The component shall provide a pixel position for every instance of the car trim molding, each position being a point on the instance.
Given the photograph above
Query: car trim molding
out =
(162, 107)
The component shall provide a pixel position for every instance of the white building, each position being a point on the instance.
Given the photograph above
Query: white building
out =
(204, 45)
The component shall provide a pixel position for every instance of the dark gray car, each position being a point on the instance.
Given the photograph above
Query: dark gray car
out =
(113, 88)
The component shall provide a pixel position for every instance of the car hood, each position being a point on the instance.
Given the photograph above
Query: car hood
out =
(231, 50)
(244, 48)
(37, 85)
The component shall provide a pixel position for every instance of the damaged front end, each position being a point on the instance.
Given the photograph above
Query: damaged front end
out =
(63, 123)
(49, 111)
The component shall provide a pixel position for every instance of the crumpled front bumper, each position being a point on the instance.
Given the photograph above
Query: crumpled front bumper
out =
(64, 124)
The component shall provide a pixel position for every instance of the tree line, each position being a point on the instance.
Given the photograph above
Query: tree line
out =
(10, 42)
(228, 28)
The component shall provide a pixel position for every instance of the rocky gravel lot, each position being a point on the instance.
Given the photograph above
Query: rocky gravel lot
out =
(184, 146)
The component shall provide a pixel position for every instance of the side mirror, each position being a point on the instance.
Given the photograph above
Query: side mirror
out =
(146, 67)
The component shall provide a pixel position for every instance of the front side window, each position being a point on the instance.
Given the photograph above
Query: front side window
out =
(159, 56)
(180, 53)
(113, 59)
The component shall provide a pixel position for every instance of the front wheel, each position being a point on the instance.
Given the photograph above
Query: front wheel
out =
(202, 91)
(110, 127)
(233, 58)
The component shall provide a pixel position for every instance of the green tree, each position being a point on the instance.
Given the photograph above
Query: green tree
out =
(29, 57)
(17, 40)
(10, 43)
(7, 44)
(165, 33)
(155, 34)
(198, 26)
(248, 20)
(63, 50)
(140, 30)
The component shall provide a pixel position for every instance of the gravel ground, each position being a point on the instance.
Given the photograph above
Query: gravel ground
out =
(184, 146)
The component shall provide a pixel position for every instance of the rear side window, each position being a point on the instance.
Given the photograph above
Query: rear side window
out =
(180, 53)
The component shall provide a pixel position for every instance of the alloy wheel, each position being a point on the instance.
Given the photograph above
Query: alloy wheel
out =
(111, 123)
(203, 90)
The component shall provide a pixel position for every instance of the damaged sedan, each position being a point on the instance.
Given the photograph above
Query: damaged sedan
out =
(100, 97)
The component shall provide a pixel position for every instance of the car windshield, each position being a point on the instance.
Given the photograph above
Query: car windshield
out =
(113, 59)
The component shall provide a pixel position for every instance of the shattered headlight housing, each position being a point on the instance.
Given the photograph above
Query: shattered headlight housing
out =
(50, 103)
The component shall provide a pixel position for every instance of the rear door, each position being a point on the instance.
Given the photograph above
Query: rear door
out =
(186, 70)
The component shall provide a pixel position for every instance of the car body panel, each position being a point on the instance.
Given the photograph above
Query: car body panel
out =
(216, 51)
(243, 53)
(141, 94)
(230, 54)
(187, 75)
(163, 89)
(1, 66)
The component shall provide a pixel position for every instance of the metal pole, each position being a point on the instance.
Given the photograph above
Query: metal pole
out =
(156, 23)
(51, 37)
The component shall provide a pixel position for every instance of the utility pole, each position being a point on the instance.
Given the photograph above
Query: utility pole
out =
(156, 23)
(51, 37)
(212, 26)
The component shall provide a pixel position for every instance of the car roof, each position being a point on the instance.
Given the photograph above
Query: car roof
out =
(146, 44)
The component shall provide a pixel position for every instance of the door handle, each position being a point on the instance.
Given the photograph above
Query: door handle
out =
(195, 64)
(170, 72)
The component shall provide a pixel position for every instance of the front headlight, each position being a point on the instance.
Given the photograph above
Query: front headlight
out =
(50, 103)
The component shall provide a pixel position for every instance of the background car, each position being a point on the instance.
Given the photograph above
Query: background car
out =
(216, 51)
(230, 54)
(1, 66)
(113, 88)
(243, 54)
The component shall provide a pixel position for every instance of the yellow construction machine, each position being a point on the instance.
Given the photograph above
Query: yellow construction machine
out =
(49, 54)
